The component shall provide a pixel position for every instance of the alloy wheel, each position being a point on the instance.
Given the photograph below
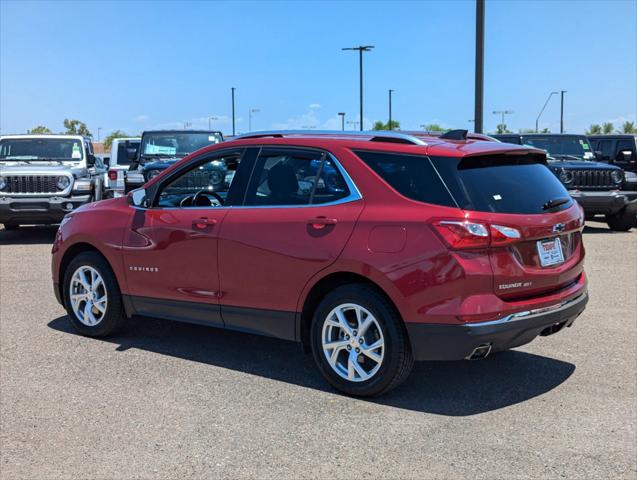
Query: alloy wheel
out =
(353, 342)
(88, 296)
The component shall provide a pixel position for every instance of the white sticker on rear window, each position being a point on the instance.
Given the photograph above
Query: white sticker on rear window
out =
(212, 138)
(497, 197)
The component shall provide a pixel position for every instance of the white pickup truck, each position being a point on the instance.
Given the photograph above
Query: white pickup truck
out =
(123, 153)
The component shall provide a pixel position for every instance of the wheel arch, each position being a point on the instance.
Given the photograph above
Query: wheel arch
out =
(72, 252)
(325, 285)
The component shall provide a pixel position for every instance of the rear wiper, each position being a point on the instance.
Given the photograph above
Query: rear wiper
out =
(556, 202)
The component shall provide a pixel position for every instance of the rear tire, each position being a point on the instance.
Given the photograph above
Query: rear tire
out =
(365, 361)
(11, 226)
(92, 297)
(621, 222)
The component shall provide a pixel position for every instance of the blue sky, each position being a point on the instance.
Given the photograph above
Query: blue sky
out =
(141, 65)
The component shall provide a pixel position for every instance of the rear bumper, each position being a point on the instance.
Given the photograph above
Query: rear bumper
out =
(606, 202)
(456, 342)
(41, 210)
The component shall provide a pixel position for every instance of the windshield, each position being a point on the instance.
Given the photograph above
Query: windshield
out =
(562, 146)
(177, 144)
(33, 149)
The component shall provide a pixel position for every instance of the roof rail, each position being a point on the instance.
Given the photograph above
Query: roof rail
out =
(375, 135)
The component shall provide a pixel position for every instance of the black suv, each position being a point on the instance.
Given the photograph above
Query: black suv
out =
(598, 187)
(159, 149)
(620, 150)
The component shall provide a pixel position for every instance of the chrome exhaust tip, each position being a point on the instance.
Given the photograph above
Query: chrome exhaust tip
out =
(480, 352)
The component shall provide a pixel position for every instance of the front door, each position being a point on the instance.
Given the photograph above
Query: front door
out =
(170, 251)
(299, 211)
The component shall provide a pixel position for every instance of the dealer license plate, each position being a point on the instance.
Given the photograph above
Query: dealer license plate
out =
(550, 252)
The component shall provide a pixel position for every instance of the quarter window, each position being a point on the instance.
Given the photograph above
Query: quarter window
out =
(295, 178)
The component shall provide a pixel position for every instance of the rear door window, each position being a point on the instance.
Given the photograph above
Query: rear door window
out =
(123, 149)
(516, 184)
(410, 175)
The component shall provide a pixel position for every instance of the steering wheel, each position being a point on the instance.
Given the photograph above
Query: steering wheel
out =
(215, 195)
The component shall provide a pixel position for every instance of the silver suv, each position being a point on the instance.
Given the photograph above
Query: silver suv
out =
(43, 177)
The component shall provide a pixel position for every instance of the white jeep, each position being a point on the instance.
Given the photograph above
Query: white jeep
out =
(44, 177)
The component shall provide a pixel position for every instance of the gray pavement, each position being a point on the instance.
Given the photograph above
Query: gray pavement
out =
(169, 400)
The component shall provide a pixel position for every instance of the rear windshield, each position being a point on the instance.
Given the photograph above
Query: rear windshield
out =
(496, 183)
(503, 184)
(127, 152)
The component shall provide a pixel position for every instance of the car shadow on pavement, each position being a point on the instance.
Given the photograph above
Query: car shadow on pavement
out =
(443, 388)
(28, 235)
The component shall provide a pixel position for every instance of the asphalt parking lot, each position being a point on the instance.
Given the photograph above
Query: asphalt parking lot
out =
(170, 400)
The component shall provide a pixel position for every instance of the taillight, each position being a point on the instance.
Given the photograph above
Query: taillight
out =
(112, 175)
(459, 234)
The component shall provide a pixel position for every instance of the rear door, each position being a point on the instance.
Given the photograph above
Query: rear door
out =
(299, 211)
(514, 191)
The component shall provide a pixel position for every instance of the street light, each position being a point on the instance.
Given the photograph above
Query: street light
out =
(354, 123)
(562, 111)
(360, 49)
(540, 114)
(209, 119)
(187, 124)
(233, 89)
(99, 129)
(342, 114)
(503, 113)
(250, 112)
(389, 126)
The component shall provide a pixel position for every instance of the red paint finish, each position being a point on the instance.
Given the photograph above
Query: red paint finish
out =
(270, 258)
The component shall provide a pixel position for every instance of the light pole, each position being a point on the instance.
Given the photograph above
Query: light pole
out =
(342, 115)
(187, 124)
(479, 87)
(209, 119)
(99, 129)
(503, 113)
(562, 111)
(389, 125)
(361, 49)
(250, 112)
(540, 114)
(233, 89)
(353, 123)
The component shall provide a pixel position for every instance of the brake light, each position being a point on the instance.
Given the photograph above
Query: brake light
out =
(460, 234)
(112, 175)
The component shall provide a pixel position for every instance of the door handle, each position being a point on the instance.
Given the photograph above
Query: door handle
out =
(203, 222)
(321, 222)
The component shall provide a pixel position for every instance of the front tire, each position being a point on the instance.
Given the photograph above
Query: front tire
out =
(621, 222)
(92, 297)
(359, 343)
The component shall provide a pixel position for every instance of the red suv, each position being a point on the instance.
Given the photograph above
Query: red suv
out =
(371, 249)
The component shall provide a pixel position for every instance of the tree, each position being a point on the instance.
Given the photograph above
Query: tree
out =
(502, 128)
(108, 141)
(629, 127)
(75, 127)
(607, 128)
(395, 125)
(545, 130)
(434, 127)
(595, 129)
(40, 129)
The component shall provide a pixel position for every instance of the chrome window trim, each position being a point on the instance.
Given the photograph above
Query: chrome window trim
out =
(354, 194)
(58, 193)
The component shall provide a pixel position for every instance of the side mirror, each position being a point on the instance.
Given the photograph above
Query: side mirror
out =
(137, 198)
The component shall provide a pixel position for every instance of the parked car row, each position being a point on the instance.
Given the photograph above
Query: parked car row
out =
(43, 177)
